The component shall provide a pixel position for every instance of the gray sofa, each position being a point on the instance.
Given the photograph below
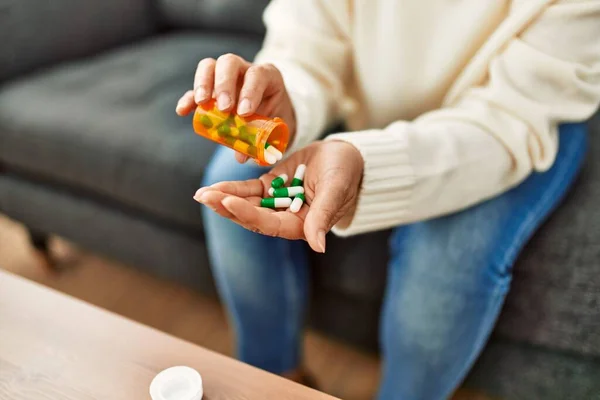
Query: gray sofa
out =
(90, 149)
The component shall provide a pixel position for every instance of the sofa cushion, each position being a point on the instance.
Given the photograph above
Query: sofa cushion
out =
(119, 234)
(555, 296)
(39, 33)
(514, 371)
(108, 125)
(229, 15)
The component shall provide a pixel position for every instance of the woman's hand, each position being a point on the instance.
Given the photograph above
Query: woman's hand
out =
(238, 84)
(332, 180)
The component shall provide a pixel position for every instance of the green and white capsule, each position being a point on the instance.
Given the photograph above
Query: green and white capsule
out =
(270, 158)
(278, 202)
(299, 176)
(286, 192)
(274, 150)
(297, 203)
(279, 181)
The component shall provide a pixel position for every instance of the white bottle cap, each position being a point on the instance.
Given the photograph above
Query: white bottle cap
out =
(177, 383)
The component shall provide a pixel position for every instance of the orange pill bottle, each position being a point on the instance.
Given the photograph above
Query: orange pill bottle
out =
(248, 135)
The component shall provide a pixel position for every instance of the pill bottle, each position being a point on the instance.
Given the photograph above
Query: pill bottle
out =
(247, 135)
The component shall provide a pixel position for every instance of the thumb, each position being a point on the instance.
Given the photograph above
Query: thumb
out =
(328, 201)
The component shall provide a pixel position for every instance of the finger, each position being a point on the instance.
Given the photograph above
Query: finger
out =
(204, 80)
(241, 158)
(212, 199)
(281, 224)
(199, 192)
(250, 188)
(253, 187)
(228, 69)
(321, 214)
(268, 105)
(256, 80)
(185, 104)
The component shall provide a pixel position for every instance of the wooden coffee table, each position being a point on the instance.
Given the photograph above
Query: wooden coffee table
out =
(57, 347)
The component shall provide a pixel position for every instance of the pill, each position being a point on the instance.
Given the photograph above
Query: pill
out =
(240, 146)
(206, 122)
(279, 181)
(246, 136)
(239, 122)
(252, 151)
(281, 202)
(270, 158)
(297, 203)
(224, 129)
(274, 150)
(287, 192)
(299, 176)
(230, 140)
(217, 115)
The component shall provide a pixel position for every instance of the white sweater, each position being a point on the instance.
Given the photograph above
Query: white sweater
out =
(449, 102)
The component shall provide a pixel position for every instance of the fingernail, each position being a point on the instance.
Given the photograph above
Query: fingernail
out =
(179, 108)
(200, 95)
(198, 194)
(244, 107)
(224, 101)
(321, 240)
(180, 103)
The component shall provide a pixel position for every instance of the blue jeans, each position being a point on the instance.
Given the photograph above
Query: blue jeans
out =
(447, 279)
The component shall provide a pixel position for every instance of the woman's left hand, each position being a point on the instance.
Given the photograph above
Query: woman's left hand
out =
(332, 181)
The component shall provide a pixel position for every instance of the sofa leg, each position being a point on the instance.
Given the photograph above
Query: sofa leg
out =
(40, 241)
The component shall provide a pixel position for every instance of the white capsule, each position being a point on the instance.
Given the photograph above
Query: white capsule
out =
(271, 191)
(279, 181)
(282, 202)
(297, 203)
(300, 172)
(299, 176)
(270, 158)
(288, 192)
(275, 151)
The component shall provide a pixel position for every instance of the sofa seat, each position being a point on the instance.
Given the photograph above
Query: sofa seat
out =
(107, 125)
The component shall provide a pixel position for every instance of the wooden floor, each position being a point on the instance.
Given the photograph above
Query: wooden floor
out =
(341, 371)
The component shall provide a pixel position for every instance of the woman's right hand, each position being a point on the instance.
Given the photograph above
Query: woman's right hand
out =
(239, 85)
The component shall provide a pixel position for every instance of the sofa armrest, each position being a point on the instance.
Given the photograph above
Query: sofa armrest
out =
(36, 33)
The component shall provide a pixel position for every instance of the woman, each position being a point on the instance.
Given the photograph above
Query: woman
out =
(455, 113)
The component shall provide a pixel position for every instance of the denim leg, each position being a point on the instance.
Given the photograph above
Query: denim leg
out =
(448, 278)
(262, 280)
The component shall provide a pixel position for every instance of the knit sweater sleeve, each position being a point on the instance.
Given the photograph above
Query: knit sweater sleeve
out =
(308, 42)
(493, 135)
